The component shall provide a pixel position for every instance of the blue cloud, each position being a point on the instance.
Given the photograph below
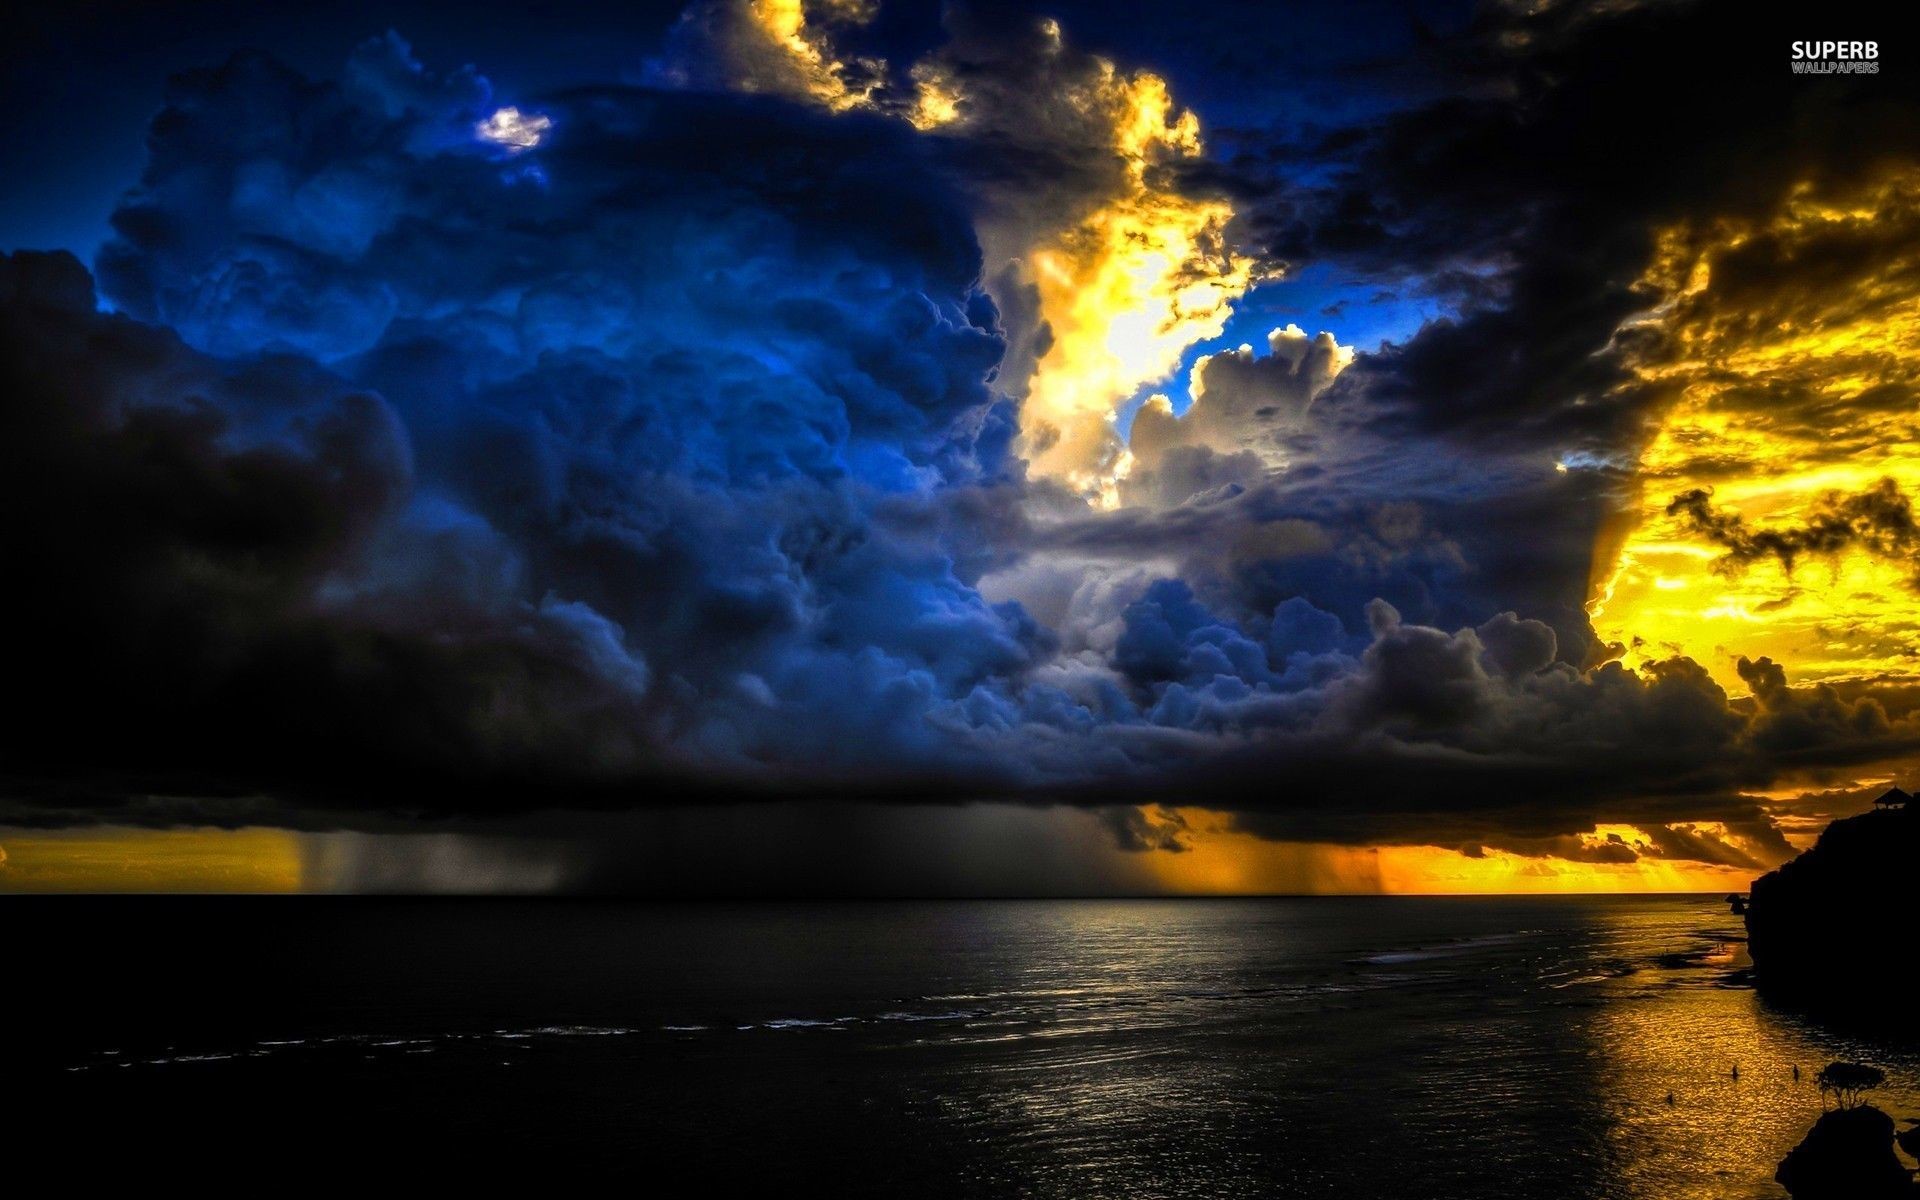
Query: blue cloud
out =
(662, 454)
(660, 396)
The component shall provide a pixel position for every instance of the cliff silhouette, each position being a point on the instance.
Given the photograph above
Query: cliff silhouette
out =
(1834, 927)
(1847, 1156)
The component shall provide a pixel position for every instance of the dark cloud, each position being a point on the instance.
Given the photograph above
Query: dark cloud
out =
(672, 458)
(292, 613)
(1524, 193)
(503, 458)
(1137, 829)
(1479, 735)
(1878, 520)
(207, 608)
(1498, 196)
(1750, 845)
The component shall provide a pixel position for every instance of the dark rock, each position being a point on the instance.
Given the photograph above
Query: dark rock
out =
(1835, 924)
(1847, 1156)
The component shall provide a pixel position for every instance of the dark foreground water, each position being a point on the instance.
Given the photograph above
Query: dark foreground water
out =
(1314, 1048)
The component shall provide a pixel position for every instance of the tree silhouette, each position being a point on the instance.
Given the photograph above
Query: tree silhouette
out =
(1848, 1082)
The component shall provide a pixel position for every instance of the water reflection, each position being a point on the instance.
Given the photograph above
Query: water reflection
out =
(1678, 1028)
(1438, 1049)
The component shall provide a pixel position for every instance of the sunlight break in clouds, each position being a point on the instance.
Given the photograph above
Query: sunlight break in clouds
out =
(1126, 283)
(1791, 428)
(805, 43)
(1126, 290)
(693, 470)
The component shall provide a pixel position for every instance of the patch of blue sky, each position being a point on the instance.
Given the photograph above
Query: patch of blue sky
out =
(1359, 313)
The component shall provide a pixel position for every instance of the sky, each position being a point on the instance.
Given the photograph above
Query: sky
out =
(841, 447)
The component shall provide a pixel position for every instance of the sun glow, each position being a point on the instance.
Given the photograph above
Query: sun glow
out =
(109, 859)
(1131, 280)
(838, 83)
(1785, 400)
(1125, 291)
(1220, 859)
(1124, 301)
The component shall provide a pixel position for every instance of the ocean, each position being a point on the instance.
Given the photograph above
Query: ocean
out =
(1350, 1047)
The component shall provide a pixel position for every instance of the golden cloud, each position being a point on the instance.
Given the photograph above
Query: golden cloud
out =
(1128, 277)
(1789, 349)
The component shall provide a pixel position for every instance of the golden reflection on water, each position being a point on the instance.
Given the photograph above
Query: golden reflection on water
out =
(1686, 1038)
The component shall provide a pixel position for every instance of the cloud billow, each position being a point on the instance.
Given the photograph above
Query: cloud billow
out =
(653, 444)
(653, 395)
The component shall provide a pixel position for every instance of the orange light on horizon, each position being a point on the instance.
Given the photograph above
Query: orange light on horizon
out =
(123, 860)
(1221, 860)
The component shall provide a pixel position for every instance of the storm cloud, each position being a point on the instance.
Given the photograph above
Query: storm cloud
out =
(414, 451)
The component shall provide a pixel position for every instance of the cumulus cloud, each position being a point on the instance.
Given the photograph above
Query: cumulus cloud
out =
(210, 612)
(688, 420)
(1244, 406)
(1106, 265)
(514, 130)
(634, 445)
(781, 47)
